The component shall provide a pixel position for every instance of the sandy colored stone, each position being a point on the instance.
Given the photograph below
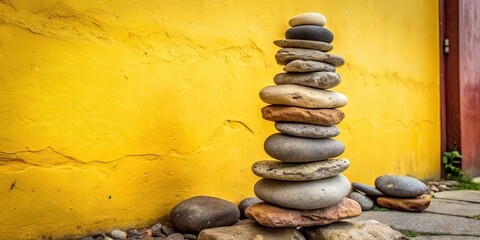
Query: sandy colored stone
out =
(365, 230)
(308, 44)
(308, 66)
(307, 130)
(322, 80)
(301, 96)
(286, 55)
(309, 18)
(404, 204)
(273, 216)
(300, 171)
(324, 117)
(303, 195)
(250, 231)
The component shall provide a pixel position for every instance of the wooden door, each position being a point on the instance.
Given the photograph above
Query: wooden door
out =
(460, 80)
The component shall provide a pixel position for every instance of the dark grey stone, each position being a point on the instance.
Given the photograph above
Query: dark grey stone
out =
(309, 32)
(368, 190)
(400, 186)
(156, 230)
(295, 149)
(307, 130)
(167, 230)
(322, 80)
(365, 202)
(202, 212)
(246, 203)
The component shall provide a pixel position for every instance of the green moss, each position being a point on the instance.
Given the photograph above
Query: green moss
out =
(409, 233)
(380, 209)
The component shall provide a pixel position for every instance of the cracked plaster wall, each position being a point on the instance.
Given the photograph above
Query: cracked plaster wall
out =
(112, 111)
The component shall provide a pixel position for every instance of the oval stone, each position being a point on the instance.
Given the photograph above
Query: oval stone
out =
(300, 171)
(286, 55)
(298, 43)
(402, 204)
(400, 186)
(310, 32)
(368, 190)
(322, 80)
(295, 149)
(202, 212)
(309, 18)
(308, 66)
(324, 117)
(301, 96)
(307, 130)
(303, 195)
(365, 202)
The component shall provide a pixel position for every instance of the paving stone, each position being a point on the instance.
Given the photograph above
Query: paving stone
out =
(424, 223)
(453, 207)
(461, 195)
(444, 237)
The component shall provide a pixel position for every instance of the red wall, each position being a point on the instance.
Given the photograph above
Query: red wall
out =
(469, 64)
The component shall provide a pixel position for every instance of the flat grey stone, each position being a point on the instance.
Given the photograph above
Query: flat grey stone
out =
(249, 231)
(365, 202)
(308, 66)
(424, 223)
(461, 195)
(303, 195)
(453, 207)
(307, 130)
(400, 186)
(444, 237)
(309, 32)
(286, 55)
(368, 190)
(322, 80)
(300, 171)
(295, 149)
(301, 96)
(308, 44)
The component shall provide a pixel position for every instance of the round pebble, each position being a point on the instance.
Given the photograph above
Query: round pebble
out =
(118, 234)
(365, 202)
(400, 186)
(322, 80)
(309, 18)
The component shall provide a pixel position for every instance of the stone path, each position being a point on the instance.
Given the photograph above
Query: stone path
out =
(448, 217)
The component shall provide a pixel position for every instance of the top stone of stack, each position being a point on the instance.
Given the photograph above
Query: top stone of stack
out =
(310, 18)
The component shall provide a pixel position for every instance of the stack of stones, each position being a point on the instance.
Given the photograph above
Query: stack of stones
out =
(305, 187)
(395, 192)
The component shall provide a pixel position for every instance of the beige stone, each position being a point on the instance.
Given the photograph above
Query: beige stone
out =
(309, 18)
(249, 231)
(325, 117)
(286, 55)
(308, 66)
(366, 230)
(300, 171)
(404, 204)
(301, 96)
(308, 44)
(273, 216)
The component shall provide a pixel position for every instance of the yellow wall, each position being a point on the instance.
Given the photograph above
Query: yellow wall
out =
(113, 111)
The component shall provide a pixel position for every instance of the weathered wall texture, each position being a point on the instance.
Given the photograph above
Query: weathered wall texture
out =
(469, 79)
(113, 111)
